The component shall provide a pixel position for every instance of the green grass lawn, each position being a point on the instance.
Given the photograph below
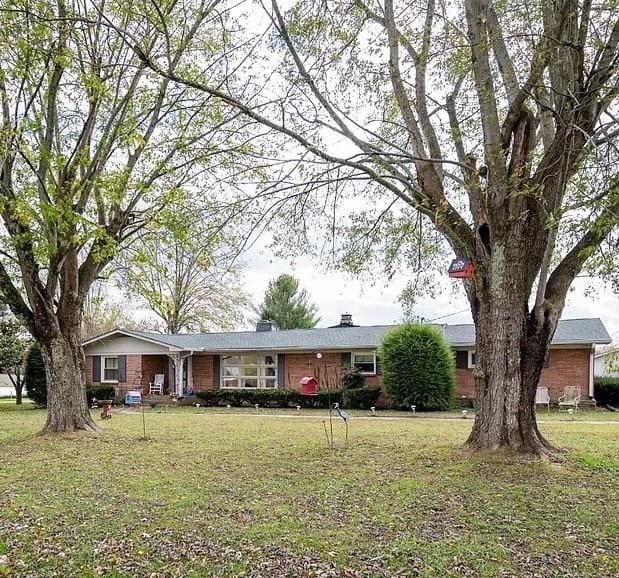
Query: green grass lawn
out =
(239, 495)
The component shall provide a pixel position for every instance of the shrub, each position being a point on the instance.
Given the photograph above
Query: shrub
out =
(267, 398)
(352, 379)
(418, 367)
(607, 391)
(360, 397)
(322, 398)
(100, 392)
(35, 378)
(248, 397)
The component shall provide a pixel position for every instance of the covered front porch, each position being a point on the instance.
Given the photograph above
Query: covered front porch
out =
(182, 373)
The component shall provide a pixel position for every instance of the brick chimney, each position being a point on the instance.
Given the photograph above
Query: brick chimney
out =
(264, 325)
(346, 320)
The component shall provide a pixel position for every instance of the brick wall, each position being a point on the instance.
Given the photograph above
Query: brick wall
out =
(135, 376)
(140, 372)
(152, 364)
(202, 372)
(373, 380)
(465, 384)
(327, 370)
(565, 367)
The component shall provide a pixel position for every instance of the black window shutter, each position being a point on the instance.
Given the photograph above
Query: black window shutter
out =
(96, 369)
(122, 368)
(281, 370)
(462, 359)
(379, 365)
(216, 371)
(346, 359)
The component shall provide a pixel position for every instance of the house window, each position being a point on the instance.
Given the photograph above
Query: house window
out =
(253, 371)
(364, 361)
(109, 369)
(471, 360)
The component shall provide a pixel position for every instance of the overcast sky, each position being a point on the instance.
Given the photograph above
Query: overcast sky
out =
(375, 304)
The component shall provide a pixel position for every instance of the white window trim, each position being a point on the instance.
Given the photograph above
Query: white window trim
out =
(258, 366)
(103, 358)
(355, 353)
(470, 363)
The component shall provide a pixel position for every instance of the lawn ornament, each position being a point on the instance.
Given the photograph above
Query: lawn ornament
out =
(344, 415)
(106, 409)
(373, 410)
(413, 409)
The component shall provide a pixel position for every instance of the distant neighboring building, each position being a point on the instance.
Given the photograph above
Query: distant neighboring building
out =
(6, 386)
(268, 359)
(607, 362)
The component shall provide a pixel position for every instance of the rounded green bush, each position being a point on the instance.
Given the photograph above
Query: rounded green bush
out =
(418, 367)
(35, 378)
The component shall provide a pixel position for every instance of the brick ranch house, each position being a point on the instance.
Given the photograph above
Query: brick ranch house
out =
(266, 358)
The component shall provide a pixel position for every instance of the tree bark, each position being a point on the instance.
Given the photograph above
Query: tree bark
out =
(67, 406)
(17, 381)
(510, 353)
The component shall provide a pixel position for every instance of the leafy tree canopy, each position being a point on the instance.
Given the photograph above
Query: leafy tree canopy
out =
(13, 345)
(411, 132)
(93, 146)
(185, 269)
(102, 314)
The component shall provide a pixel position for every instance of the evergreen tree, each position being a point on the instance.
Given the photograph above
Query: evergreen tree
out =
(287, 306)
(35, 376)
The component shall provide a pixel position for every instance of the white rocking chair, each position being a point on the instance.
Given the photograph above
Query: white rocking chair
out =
(542, 397)
(156, 386)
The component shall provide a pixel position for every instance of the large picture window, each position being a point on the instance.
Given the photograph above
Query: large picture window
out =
(364, 361)
(109, 368)
(257, 371)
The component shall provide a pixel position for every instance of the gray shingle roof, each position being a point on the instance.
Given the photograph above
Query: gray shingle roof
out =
(569, 332)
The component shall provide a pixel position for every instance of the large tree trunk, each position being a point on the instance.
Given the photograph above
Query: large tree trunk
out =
(67, 406)
(510, 353)
(19, 387)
